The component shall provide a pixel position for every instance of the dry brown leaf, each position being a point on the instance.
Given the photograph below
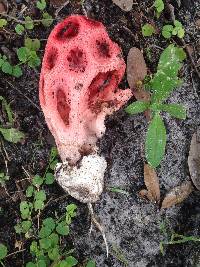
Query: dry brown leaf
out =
(3, 6)
(152, 183)
(136, 72)
(177, 195)
(194, 160)
(125, 5)
(136, 67)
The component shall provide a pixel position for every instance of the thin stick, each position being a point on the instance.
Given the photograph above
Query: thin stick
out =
(98, 225)
(60, 8)
(19, 251)
(15, 88)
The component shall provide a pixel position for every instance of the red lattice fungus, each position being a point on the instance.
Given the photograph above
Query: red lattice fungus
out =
(79, 80)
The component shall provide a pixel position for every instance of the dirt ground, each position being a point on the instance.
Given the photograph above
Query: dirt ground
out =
(132, 224)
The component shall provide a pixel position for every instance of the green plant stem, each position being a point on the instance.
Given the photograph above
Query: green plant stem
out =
(21, 21)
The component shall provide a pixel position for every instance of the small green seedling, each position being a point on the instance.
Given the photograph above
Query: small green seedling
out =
(161, 84)
(3, 253)
(159, 6)
(3, 178)
(27, 25)
(41, 4)
(46, 250)
(169, 30)
(148, 30)
(7, 68)
(172, 238)
(9, 133)
(3, 23)
(28, 53)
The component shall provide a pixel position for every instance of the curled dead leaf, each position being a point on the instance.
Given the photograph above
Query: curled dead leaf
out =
(177, 195)
(3, 6)
(152, 183)
(194, 160)
(125, 5)
(136, 67)
(136, 72)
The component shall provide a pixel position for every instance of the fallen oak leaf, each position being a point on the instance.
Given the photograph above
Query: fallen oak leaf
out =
(136, 72)
(136, 67)
(177, 195)
(152, 183)
(194, 160)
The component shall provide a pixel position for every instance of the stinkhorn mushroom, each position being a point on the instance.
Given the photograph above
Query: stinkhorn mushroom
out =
(79, 80)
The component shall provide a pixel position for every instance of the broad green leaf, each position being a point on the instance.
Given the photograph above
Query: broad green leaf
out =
(19, 29)
(37, 180)
(41, 4)
(25, 209)
(29, 191)
(49, 178)
(159, 5)
(50, 223)
(3, 22)
(23, 54)
(3, 251)
(17, 71)
(32, 44)
(41, 263)
(167, 31)
(47, 19)
(54, 254)
(147, 30)
(54, 239)
(166, 78)
(33, 61)
(175, 110)
(62, 228)
(181, 33)
(137, 107)
(178, 24)
(12, 135)
(26, 225)
(45, 232)
(7, 68)
(155, 141)
(40, 195)
(38, 205)
(91, 263)
(70, 262)
(45, 243)
(29, 25)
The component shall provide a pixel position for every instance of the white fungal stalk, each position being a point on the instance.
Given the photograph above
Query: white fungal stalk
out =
(84, 182)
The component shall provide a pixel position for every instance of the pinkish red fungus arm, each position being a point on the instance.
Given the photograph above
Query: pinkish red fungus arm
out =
(79, 80)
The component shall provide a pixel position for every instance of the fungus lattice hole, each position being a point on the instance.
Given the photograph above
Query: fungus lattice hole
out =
(63, 106)
(77, 60)
(103, 48)
(51, 58)
(69, 30)
(99, 89)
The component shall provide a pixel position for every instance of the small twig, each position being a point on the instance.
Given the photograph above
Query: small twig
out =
(60, 8)
(15, 88)
(98, 225)
(21, 21)
(16, 252)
